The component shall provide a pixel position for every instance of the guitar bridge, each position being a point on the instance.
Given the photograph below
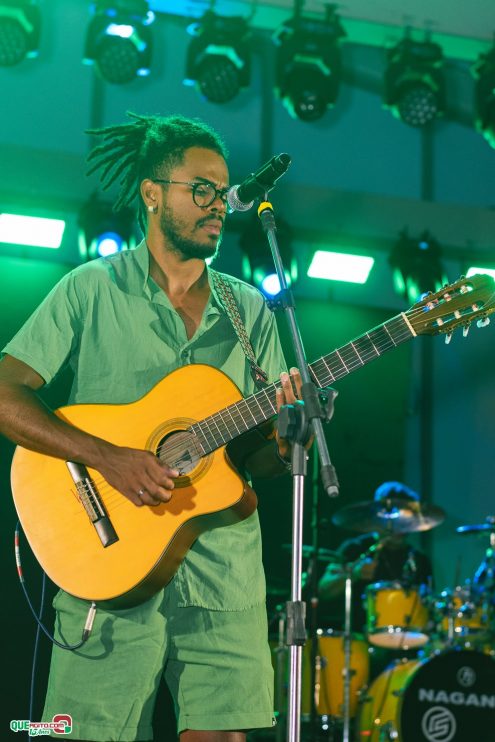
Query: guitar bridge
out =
(92, 503)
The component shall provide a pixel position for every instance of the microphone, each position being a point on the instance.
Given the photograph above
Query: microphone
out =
(241, 197)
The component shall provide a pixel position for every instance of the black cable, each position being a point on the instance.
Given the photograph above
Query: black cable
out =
(91, 612)
(35, 651)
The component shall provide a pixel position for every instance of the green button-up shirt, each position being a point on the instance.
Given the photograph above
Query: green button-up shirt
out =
(120, 334)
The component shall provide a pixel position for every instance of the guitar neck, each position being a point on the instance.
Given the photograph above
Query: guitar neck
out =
(223, 426)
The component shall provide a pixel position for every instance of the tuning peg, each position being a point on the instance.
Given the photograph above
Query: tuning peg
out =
(465, 330)
(483, 322)
(448, 338)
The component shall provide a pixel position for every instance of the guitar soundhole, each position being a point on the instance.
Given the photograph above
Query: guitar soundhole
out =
(180, 451)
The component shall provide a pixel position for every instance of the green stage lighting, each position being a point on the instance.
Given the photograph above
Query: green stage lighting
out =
(119, 40)
(218, 59)
(338, 266)
(480, 270)
(484, 72)
(308, 65)
(417, 266)
(20, 26)
(102, 231)
(257, 262)
(414, 85)
(32, 231)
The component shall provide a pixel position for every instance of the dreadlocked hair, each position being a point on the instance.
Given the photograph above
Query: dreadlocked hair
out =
(148, 147)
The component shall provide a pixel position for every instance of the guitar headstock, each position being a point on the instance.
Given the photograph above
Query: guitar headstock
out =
(455, 305)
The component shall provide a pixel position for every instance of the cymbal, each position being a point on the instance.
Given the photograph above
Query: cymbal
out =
(391, 515)
(488, 527)
(324, 555)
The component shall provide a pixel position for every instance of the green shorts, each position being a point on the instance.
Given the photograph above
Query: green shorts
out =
(216, 664)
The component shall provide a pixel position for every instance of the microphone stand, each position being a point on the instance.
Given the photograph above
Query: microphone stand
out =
(295, 423)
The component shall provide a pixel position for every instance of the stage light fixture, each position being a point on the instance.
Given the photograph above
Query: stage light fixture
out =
(484, 73)
(257, 262)
(480, 270)
(340, 266)
(308, 64)
(218, 58)
(20, 26)
(417, 266)
(119, 40)
(414, 84)
(32, 231)
(102, 231)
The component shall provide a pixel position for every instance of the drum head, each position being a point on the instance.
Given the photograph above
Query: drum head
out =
(449, 697)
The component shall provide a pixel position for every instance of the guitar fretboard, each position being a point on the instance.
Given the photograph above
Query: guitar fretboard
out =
(223, 426)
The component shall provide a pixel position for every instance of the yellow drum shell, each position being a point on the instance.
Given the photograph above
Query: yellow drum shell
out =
(329, 677)
(396, 616)
(380, 706)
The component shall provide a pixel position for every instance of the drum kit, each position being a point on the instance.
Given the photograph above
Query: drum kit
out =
(439, 685)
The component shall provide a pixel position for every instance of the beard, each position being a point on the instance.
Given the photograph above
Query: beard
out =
(187, 248)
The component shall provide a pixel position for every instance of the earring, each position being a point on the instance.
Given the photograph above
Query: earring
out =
(153, 209)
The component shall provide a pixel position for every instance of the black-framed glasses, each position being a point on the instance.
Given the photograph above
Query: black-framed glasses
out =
(204, 194)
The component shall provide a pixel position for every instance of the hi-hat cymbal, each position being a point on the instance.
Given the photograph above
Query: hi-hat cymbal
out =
(488, 527)
(324, 555)
(389, 516)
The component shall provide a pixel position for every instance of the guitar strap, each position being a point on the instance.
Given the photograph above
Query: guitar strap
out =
(224, 291)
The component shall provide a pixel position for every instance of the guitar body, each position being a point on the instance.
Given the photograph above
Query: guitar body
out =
(151, 540)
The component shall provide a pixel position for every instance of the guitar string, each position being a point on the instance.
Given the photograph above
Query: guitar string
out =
(355, 358)
(355, 362)
(347, 367)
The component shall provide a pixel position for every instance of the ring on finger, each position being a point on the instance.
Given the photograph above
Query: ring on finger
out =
(141, 493)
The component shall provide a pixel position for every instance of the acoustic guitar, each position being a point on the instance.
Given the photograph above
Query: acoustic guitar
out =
(95, 544)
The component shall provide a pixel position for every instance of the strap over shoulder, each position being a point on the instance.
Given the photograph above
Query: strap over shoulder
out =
(224, 291)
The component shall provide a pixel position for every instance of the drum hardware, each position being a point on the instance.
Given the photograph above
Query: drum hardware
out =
(388, 732)
(487, 527)
(463, 616)
(320, 554)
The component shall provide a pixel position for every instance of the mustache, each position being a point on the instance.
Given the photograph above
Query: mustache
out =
(212, 218)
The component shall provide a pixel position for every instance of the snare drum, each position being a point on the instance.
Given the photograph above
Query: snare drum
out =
(396, 616)
(448, 697)
(328, 677)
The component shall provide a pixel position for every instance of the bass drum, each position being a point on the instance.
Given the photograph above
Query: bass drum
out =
(449, 697)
